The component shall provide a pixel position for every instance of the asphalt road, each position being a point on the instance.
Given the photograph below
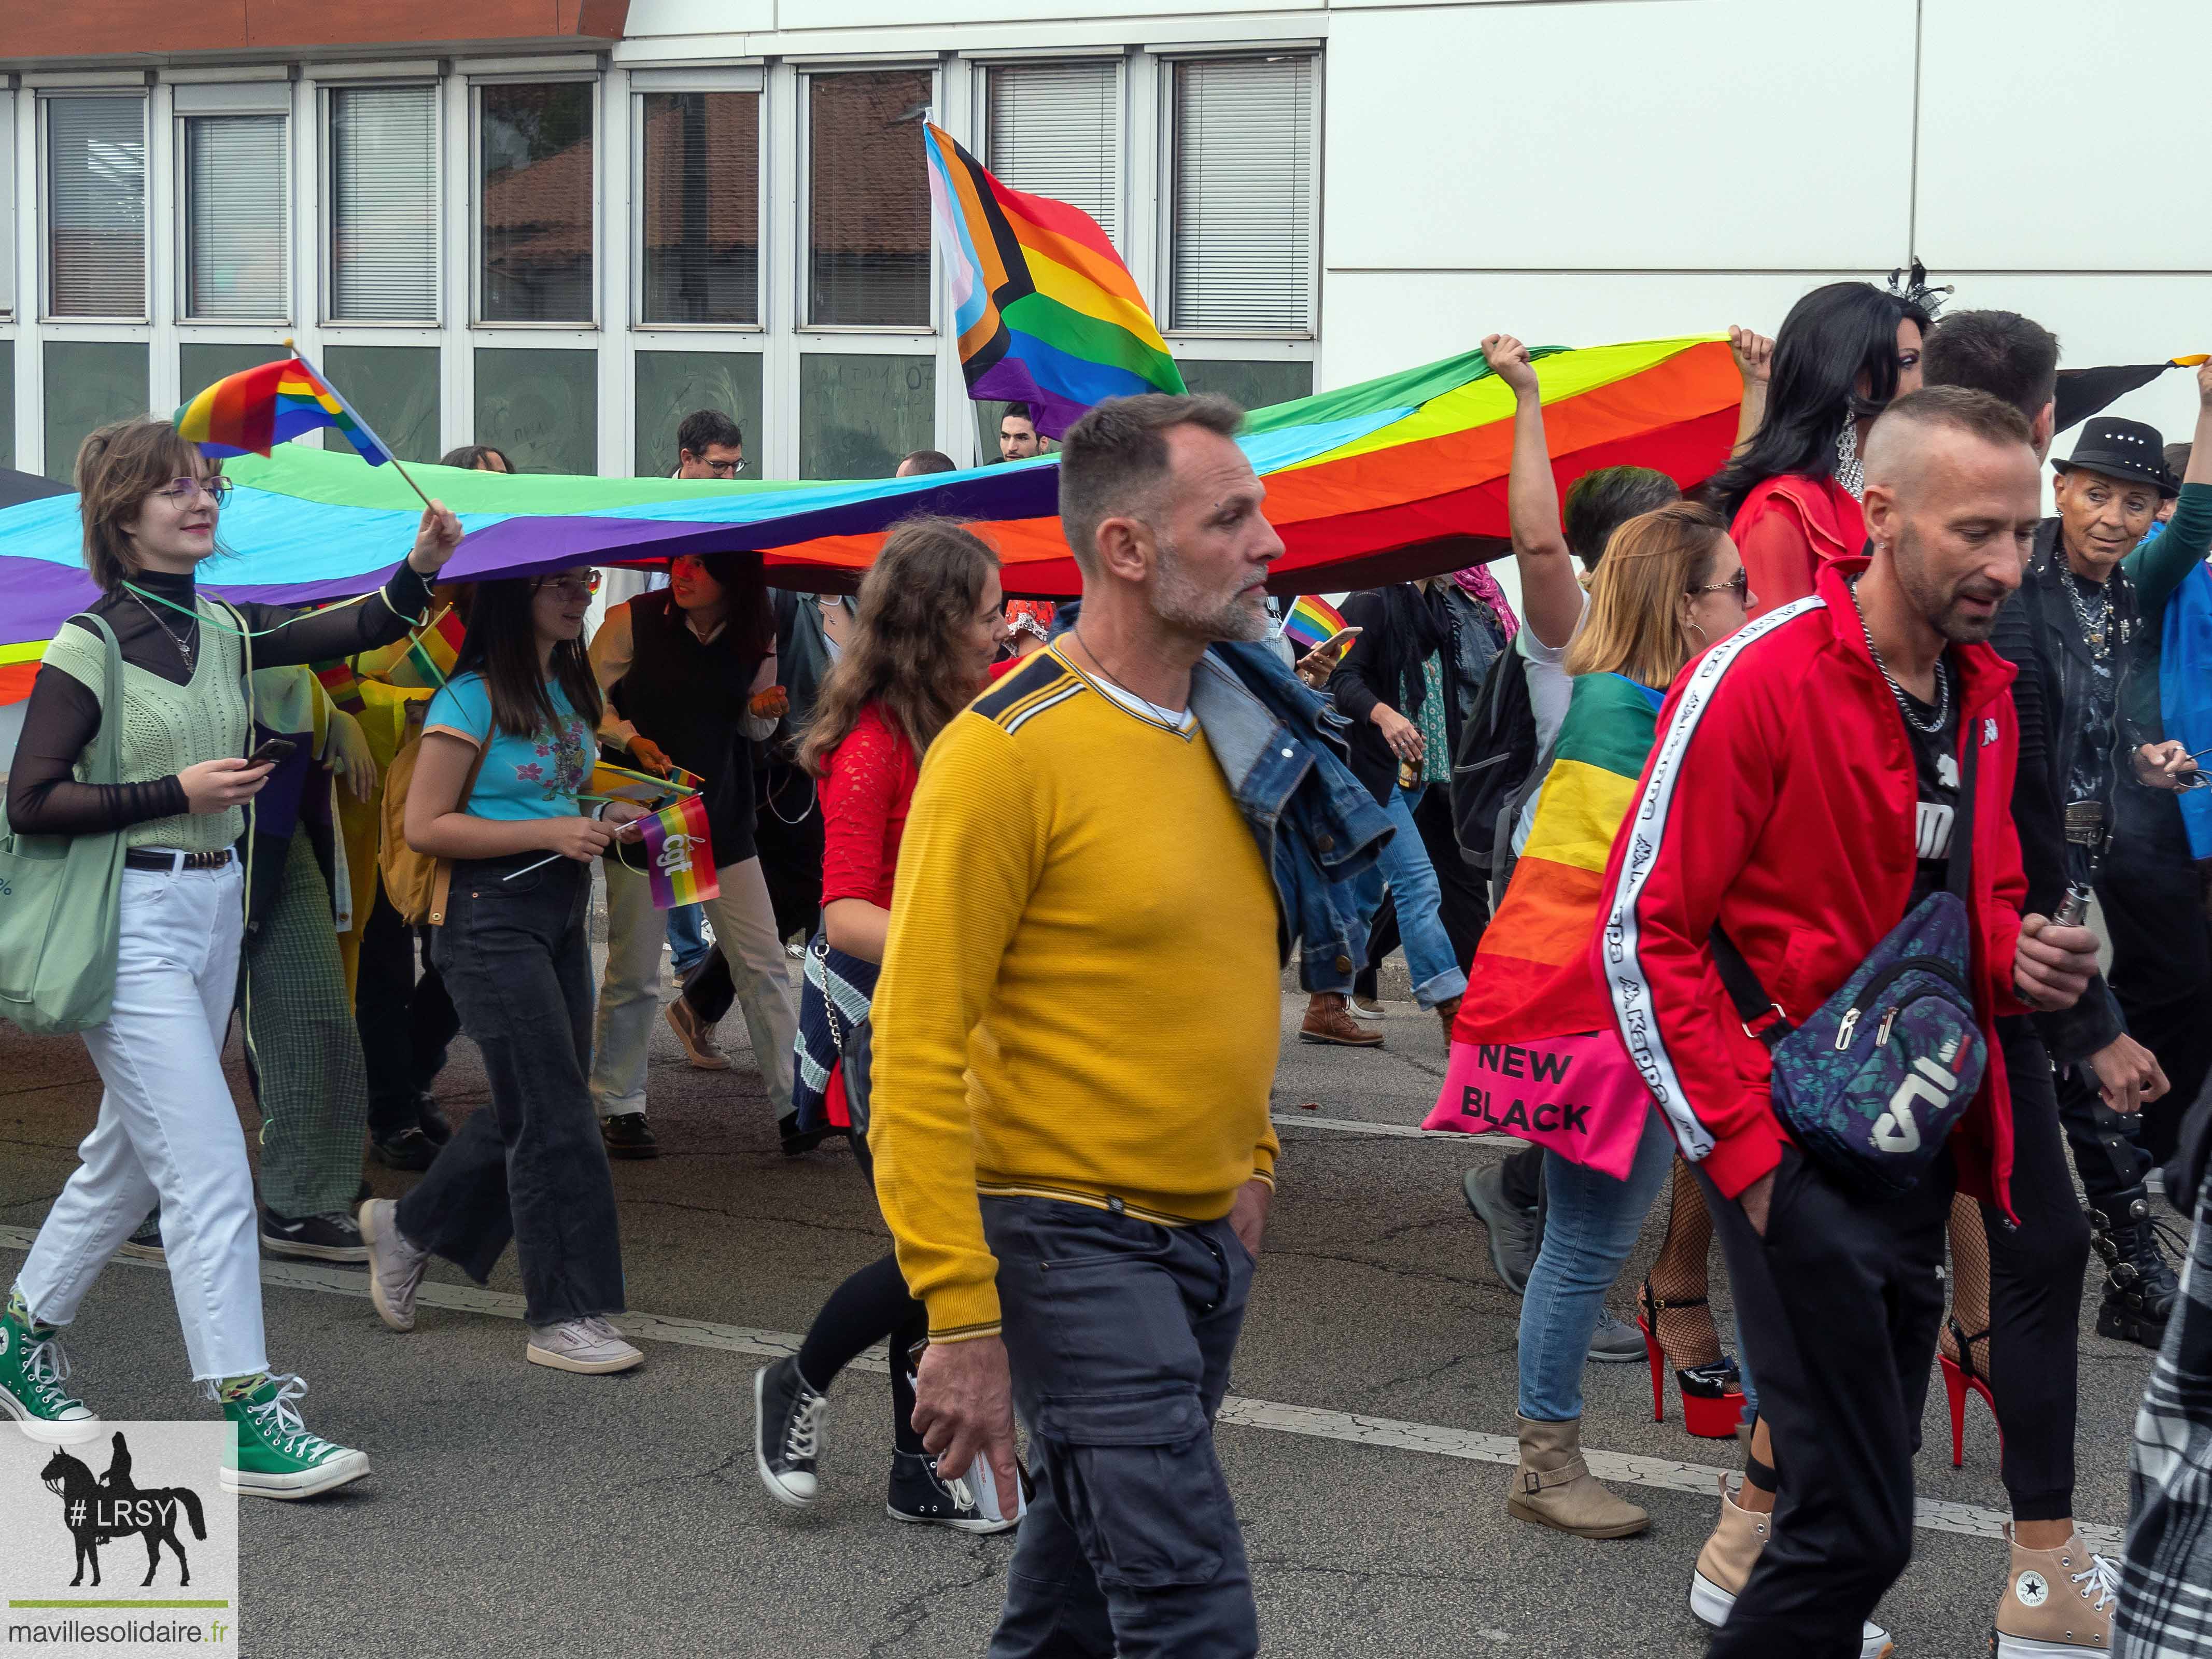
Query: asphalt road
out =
(514, 1510)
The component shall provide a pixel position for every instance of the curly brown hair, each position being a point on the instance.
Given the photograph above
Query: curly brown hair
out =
(925, 586)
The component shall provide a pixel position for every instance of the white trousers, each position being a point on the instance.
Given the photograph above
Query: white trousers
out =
(629, 997)
(167, 1128)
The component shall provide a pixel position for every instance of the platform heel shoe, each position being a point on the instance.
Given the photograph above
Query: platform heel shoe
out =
(1959, 1377)
(1712, 1396)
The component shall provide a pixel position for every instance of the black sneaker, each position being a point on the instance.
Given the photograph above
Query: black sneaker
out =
(332, 1237)
(921, 1499)
(432, 1121)
(411, 1149)
(145, 1245)
(788, 1415)
(629, 1135)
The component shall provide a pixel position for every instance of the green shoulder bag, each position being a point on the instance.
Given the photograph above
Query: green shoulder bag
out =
(61, 898)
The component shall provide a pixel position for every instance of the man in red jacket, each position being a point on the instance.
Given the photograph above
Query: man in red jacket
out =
(1802, 795)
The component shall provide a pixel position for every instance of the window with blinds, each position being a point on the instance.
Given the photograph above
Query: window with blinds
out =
(1242, 228)
(1055, 129)
(96, 206)
(237, 255)
(384, 205)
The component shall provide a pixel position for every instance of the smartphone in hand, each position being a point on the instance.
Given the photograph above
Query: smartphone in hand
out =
(271, 753)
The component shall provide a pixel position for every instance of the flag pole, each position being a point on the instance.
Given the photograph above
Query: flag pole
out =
(390, 454)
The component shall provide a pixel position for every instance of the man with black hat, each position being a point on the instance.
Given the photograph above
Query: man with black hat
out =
(2097, 603)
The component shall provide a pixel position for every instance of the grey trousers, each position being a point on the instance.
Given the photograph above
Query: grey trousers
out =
(1119, 1333)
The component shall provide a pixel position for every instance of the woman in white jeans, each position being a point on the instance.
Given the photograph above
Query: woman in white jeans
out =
(167, 1129)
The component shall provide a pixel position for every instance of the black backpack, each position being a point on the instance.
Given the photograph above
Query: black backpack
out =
(1496, 756)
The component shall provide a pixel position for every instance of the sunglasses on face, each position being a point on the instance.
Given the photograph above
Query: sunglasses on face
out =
(184, 491)
(577, 587)
(1738, 585)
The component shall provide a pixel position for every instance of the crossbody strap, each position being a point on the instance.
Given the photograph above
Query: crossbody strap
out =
(441, 883)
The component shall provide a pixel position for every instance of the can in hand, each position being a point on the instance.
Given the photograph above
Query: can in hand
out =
(1408, 774)
(2074, 909)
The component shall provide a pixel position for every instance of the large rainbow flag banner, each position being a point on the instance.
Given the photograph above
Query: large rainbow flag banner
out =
(1399, 477)
(1046, 311)
(248, 412)
(679, 858)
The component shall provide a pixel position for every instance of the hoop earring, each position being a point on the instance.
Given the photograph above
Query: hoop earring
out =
(1702, 634)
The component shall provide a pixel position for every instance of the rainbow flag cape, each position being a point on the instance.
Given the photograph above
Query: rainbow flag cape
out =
(1047, 313)
(679, 859)
(1396, 476)
(251, 412)
(1313, 621)
(1532, 976)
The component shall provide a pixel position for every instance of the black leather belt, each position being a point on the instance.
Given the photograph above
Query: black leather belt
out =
(174, 863)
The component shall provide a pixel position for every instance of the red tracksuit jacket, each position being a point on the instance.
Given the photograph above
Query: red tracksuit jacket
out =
(1780, 801)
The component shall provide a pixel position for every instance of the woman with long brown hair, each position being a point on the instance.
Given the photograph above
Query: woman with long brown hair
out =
(167, 1129)
(930, 624)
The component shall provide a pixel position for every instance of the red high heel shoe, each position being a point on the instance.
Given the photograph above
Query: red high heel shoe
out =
(1712, 1396)
(1958, 1375)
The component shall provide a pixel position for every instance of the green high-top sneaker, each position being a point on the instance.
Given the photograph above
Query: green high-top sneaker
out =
(276, 1455)
(32, 1369)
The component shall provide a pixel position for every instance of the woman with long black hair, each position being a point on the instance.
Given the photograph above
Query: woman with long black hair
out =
(507, 746)
(1791, 494)
(167, 1129)
(921, 646)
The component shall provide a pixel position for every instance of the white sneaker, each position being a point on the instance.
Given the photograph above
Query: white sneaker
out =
(1363, 1008)
(591, 1345)
(395, 1263)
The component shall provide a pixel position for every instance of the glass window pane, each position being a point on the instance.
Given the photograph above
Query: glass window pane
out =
(89, 382)
(701, 209)
(6, 203)
(200, 366)
(541, 407)
(96, 208)
(867, 201)
(536, 203)
(671, 384)
(1250, 385)
(7, 403)
(384, 205)
(1242, 261)
(859, 414)
(395, 389)
(1055, 129)
(236, 253)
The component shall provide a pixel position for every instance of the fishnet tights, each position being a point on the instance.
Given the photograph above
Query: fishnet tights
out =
(1970, 1286)
(1680, 1273)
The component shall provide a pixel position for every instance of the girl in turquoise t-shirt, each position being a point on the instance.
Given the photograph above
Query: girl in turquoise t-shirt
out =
(506, 747)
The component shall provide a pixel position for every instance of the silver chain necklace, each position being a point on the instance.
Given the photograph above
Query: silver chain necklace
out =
(2098, 626)
(182, 641)
(1173, 722)
(1904, 698)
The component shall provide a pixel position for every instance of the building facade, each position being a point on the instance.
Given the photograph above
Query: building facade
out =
(558, 225)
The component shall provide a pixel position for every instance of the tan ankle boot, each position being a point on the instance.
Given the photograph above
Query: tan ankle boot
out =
(1554, 1486)
(2056, 1602)
(1724, 1567)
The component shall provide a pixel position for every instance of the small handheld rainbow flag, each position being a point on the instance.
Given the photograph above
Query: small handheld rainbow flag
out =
(610, 782)
(1313, 620)
(679, 858)
(251, 412)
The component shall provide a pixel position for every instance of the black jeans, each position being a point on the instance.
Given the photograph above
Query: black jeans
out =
(871, 1306)
(406, 1024)
(1465, 907)
(2035, 1292)
(1838, 1306)
(532, 1167)
(2154, 907)
(1119, 1333)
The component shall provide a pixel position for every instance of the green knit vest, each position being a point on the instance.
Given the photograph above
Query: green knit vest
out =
(167, 727)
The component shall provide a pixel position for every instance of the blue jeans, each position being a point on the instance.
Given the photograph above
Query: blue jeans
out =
(1437, 977)
(1591, 1223)
(689, 943)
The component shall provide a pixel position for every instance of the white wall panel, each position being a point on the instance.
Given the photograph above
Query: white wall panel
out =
(1712, 134)
(2056, 136)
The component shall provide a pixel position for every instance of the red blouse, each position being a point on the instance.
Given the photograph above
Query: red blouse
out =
(1787, 528)
(865, 796)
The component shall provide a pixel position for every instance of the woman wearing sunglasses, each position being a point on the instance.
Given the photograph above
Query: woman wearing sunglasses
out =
(506, 747)
(167, 1130)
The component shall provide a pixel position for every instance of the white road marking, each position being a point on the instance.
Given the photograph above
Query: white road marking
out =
(1353, 1126)
(1313, 1421)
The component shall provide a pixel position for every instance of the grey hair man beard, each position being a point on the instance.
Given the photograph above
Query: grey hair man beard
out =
(1178, 599)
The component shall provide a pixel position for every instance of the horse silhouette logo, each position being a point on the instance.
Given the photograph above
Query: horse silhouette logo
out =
(99, 1512)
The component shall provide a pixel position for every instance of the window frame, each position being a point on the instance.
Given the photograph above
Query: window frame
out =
(45, 96)
(803, 323)
(644, 82)
(1170, 65)
(10, 300)
(476, 83)
(180, 185)
(1124, 119)
(326, 195)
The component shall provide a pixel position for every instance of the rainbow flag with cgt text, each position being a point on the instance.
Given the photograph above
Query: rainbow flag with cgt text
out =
(679, 858)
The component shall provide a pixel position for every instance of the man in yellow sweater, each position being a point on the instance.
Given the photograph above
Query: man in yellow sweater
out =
(1073, 1190)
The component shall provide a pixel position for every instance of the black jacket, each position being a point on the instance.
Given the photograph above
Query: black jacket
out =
(1400, 627)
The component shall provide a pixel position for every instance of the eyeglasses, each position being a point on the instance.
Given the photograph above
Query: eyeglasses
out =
(575, 587)
(187, 489)
(1738, 585)
(725, 469)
